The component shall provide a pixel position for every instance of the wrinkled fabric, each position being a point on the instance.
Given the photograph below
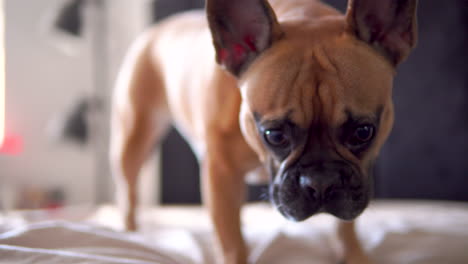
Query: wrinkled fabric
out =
(392, 232)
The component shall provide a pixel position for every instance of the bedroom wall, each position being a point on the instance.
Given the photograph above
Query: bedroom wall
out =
(47, 73)
(42, 83)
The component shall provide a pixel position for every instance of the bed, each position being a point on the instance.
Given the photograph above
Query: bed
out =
(406, 232)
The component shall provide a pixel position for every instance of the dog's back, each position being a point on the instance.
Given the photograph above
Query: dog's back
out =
(183, 70)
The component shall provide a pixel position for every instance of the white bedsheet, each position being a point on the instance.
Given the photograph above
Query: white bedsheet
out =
(393, 232)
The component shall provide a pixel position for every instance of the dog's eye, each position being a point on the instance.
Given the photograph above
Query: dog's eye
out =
(276, 138)
(362, 134)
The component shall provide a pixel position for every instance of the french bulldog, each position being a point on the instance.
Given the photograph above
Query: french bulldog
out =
(293, 87)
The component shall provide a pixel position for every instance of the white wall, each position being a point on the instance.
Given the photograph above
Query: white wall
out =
(43, 81)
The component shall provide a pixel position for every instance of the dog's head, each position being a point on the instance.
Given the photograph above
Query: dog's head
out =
(316, 95)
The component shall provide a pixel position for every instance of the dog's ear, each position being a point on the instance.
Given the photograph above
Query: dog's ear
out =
(241, 30)
(389, 26)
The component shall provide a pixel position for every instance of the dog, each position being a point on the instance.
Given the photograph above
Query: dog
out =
(293, 87)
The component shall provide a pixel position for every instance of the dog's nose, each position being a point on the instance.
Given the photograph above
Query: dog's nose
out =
(307, 183)
(310, 186)
(318, 186)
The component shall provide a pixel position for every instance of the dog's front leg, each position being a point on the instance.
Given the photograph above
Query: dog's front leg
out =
(352, 248)
(223, 194)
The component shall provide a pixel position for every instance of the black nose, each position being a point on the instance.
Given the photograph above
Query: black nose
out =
(320, 187)
(308, 185)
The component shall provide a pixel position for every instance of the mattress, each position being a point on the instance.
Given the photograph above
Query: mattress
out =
(406, 232)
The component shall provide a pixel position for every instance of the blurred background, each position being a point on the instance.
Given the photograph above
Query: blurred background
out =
(62, 58)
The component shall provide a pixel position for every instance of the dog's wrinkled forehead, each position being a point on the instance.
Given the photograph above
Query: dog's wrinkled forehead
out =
(317, 82)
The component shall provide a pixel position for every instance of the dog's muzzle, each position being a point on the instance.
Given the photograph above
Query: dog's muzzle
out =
(333, 188)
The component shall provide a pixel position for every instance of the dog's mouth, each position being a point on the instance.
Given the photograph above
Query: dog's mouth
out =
(344, 205)
(297, 200)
